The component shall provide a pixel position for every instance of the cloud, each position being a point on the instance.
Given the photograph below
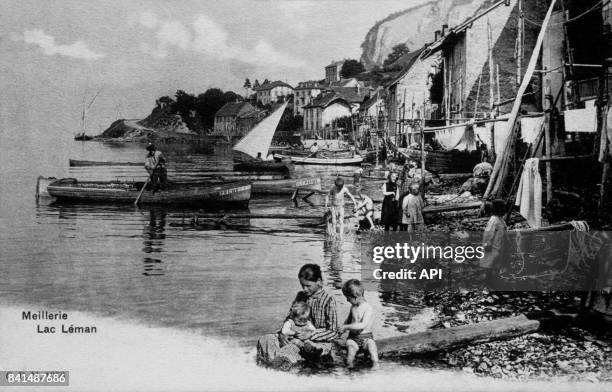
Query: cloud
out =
(207, 36)
(46, 42)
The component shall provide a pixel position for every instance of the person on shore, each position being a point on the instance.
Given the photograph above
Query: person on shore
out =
(155, 164)
(357, 179)
(277, 351)
(337, 204)
(359, 324)
(493, 240)
(314, 150)
(297, 322)
(412, 211)
(259, 158)
(365, 209)
(388, 214)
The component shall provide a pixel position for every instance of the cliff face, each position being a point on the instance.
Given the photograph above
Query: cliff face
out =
(414, 27)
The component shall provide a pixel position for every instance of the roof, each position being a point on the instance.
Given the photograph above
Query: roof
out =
(241, 109)
(456, 30)
(351, 94)
(371, 101)
(336, 63)
(309, 84)
(271, 85)
(408, 60)
(324, 100)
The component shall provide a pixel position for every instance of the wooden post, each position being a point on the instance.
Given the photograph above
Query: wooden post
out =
(422, 125)
(547, 141)
(491, 68)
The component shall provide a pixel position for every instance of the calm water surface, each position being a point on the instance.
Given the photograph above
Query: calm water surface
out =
(143, 264)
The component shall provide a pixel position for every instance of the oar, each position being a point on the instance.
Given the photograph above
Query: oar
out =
(144, 186)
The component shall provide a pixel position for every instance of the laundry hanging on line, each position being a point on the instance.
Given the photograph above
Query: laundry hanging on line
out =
(605, 146)
(581, 120)
(530, 128)
(529, 193)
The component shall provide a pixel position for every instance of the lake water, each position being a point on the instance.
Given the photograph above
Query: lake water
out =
(182, 301)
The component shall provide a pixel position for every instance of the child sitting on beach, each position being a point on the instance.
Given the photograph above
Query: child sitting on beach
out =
(298, 321)
(359, 323)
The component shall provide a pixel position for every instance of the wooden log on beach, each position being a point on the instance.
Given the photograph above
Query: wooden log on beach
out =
(454, 337)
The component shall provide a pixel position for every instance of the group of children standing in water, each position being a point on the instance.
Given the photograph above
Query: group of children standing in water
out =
(403, 210)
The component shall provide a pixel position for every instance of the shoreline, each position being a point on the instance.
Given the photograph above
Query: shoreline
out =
(133, 356)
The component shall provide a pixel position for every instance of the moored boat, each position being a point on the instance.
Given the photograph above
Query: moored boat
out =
(78, 163)
(203, 195)
(355, 160)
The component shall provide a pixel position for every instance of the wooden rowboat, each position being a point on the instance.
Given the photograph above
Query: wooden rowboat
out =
(444, 161)
(356, 160)
(273, 187)
(203, 195)
(78, 163)
(286, 186)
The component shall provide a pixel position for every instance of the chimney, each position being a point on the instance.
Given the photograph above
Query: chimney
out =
(444, 27)
(437, 35)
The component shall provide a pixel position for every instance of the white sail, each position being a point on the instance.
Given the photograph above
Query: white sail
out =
(258, 140)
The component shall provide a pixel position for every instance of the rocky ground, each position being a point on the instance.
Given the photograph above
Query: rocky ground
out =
(569, 347)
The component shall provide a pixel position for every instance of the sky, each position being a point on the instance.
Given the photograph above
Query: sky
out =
(55, 54)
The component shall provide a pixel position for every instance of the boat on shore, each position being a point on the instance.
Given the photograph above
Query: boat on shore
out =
(203, 195)
(355, 160)
(453, 161)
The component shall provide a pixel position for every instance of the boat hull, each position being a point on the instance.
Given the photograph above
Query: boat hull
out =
(356, 160)
(445, 161)
(202, 195)
(282, 187)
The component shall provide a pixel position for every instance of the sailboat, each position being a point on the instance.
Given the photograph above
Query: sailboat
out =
(82, 136)
(251, 152)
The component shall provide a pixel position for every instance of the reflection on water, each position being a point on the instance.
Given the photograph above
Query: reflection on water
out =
(154, 237)
(227, 277)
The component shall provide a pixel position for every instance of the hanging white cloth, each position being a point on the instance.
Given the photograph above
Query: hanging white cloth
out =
(467, 141)
(530, 128)
(529, 193)
(500, 132)
(581, 120)
(605, 146)
(448, 138)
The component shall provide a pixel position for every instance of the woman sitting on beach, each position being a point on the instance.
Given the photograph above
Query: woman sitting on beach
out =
(277, 351)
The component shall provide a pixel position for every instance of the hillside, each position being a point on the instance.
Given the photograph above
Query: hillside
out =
(158, 126)
(414, 27)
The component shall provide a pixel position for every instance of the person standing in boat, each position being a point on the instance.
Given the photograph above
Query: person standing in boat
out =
(314, 150)
(155, 164)
(389, 215)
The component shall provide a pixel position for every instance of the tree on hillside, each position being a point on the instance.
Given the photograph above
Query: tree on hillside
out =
(396, 52)
(184, 103)
(351, 68)
(209, 102)
(247, 83)
(256, 84)
(266, 81)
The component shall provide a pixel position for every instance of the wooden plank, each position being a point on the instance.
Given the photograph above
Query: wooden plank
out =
(501, 163)
(449, 338)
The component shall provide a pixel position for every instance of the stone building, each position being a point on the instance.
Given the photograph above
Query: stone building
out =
(235, 119)
(269, 93)
(304, 94)
(323, 110)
